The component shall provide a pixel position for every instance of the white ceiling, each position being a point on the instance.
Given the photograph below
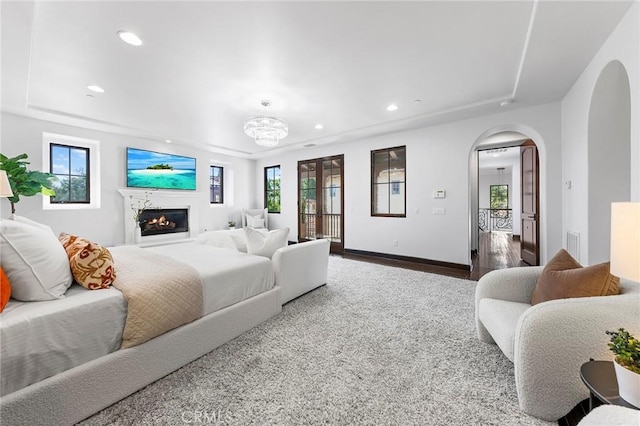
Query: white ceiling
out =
(489, 160)
(205, 66)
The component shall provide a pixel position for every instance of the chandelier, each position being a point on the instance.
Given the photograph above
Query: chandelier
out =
(265, 130)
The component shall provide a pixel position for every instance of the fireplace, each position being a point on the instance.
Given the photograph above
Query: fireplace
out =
(164, 221)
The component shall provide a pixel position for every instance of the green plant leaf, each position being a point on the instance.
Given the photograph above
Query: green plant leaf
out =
(25, 182)
(48, 192)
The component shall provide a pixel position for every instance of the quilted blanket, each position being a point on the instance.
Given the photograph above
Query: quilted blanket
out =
(161, 293)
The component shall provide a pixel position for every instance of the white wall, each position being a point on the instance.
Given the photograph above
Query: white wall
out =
(105, 225)
(437, 158)
(622, 45)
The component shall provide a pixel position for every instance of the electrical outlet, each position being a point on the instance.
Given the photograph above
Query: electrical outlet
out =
(439, 211)
(395, 243)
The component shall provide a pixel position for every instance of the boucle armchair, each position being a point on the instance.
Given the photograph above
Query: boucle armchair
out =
(548, 342)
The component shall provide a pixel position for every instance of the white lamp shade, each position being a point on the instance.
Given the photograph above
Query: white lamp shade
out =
(625, 240)
(5, 188)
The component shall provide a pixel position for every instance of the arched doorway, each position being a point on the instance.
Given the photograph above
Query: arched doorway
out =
(609, 155)
(492, 142)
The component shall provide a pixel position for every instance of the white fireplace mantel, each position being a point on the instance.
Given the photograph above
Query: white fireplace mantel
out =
(161, 199)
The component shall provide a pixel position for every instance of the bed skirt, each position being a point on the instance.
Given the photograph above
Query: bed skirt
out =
(62, 399)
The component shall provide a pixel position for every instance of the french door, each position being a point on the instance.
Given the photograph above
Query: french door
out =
(321, 200)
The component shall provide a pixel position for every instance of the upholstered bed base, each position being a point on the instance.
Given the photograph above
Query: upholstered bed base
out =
(78, 393)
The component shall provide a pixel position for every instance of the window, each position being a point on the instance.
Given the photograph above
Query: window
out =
(388, 182)
(499, 196)
(70, 165)
(499, 201)
(75, 162)
(272, 189)
(216, 184)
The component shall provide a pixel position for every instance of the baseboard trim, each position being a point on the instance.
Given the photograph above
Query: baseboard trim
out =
(365, 253)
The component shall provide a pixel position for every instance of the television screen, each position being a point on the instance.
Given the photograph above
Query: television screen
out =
(148, 169)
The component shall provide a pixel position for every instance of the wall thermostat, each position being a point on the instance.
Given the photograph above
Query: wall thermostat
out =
(439, 193)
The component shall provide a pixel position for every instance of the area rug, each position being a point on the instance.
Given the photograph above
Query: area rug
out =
(376, 345)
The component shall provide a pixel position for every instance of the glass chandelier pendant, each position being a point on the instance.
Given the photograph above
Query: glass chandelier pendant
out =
(265, 130)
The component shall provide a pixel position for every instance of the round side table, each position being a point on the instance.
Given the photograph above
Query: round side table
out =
(600, 378)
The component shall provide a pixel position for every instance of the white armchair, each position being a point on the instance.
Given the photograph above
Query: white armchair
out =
(263, 213)
(548, 342)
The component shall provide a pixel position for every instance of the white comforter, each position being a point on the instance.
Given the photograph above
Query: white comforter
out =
(228, 276)
(41, 339)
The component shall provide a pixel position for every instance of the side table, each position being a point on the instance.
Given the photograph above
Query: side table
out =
(600, 378)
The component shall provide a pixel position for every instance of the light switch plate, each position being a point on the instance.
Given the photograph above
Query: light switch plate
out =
(439, 193)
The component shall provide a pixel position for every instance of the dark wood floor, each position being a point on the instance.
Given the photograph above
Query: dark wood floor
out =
(497, 250)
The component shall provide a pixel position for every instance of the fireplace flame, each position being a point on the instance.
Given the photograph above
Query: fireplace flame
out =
(159, 223)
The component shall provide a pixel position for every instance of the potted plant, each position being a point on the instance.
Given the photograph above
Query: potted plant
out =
(138, 206)
(25, 182)
(232, 224)
(627, 364)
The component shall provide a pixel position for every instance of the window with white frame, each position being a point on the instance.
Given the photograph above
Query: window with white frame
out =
(75, 163)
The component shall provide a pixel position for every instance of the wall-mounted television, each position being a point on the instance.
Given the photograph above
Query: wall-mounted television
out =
(149, 169)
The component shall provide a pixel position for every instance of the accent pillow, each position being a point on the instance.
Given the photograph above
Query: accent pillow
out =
(255, 221)
(221, 239)
(265, 243)
(34, 261)
(91, 264)
(564, 278)
(5, 289)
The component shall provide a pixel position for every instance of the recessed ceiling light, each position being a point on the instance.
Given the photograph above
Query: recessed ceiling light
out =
(392, 107)
(168, 141)
(95, 88)
(130, 38)
(319, 126)
(416, 101)
(506, 102)
(90, 95)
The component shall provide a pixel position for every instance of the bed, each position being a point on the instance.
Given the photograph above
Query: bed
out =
(73, 344)
(65, 358)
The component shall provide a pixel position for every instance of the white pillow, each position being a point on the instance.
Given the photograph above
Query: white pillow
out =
(265, 243)
(220, 239)
(31, 222)
(35, 262)
(240, 240)
(255, 221)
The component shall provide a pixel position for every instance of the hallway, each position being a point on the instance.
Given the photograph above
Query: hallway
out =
(496, 250)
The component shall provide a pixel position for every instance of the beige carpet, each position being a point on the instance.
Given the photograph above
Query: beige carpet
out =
(376, 345)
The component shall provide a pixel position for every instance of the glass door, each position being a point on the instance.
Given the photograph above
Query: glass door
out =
(321, 200)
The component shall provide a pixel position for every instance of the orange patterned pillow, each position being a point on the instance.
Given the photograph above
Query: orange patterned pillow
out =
(72, 243)
(5, 289)
(91, 264)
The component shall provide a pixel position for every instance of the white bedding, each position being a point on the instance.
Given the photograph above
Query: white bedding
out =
(228, 276)
(40, 339)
